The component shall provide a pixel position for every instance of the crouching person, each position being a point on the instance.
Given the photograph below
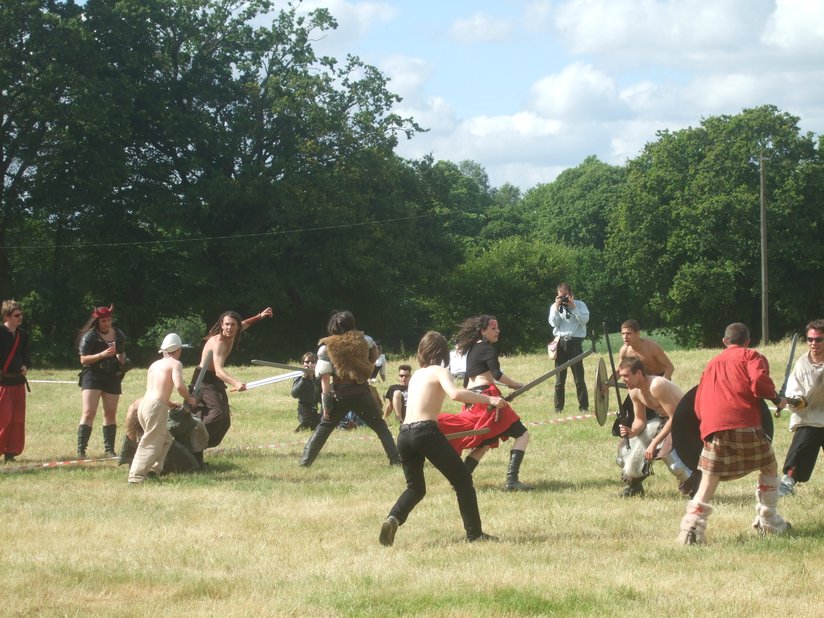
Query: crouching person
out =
(163, 376)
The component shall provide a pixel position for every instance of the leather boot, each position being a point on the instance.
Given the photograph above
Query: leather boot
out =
(512, 482)
(471, 463)
(84, 432)
(127, 451)
(109, 435)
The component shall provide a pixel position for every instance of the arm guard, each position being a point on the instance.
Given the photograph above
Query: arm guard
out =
(327, 400)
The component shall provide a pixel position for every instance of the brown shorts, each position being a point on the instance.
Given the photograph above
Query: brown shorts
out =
(734, 453)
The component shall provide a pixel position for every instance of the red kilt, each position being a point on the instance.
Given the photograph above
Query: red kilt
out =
(478, 416)
(734, 453)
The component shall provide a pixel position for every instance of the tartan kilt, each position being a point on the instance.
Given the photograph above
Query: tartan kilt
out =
(734, 453)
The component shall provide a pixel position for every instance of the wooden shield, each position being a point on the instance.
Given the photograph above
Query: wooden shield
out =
(600, 397)
(686, 431)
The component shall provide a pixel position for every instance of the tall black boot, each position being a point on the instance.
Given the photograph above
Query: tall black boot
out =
(512, 482)
(109, 435)
(127, 451)
(471, 463)
(84, 432)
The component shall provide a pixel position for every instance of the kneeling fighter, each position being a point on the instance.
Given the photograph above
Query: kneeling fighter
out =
(661, 396)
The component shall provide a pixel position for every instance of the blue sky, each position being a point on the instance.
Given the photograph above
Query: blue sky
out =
(528, 88)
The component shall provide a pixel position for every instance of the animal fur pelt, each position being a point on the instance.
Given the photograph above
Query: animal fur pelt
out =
(349, 354)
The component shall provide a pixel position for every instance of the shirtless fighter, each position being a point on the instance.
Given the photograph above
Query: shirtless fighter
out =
(660, 395)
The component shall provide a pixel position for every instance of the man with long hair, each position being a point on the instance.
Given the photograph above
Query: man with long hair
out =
(213, 407)
(421, 439)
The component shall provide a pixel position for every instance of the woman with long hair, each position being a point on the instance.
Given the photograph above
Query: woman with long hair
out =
(103, 357)
(476, 338)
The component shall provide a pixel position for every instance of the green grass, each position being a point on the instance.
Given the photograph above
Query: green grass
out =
(258, 535)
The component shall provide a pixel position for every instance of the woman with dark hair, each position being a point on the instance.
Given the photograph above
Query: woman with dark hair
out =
(102, 350)
(345, 361)
(475, 340)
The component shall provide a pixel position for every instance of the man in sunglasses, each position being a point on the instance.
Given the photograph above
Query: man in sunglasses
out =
(807, 420)
(397, 394)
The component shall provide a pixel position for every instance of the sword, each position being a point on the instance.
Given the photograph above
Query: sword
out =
(615, 377)
(278, 365)
(273, 380)
(787, 372)
(547, 376)
(465, 434)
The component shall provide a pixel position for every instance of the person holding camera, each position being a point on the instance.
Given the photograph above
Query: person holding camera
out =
(568, 318)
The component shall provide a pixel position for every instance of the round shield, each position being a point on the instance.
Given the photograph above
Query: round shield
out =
(686, 430)
(600, 396)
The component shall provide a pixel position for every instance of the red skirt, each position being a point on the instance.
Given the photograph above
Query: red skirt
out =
(478, 416)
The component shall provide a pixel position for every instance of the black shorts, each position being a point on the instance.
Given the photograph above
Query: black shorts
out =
(99, 381)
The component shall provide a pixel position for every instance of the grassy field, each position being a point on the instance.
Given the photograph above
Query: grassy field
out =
(258, 535)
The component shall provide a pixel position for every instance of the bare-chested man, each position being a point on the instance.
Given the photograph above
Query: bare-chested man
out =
(213, 408)
(655, 360)
(163, 376)
(420, 439)
(656, 393)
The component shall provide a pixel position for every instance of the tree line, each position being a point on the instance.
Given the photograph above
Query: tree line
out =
(182, 157)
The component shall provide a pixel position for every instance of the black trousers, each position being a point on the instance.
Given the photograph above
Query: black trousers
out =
(803, 452)
(423, 440)
(567, 350)
(359, 400)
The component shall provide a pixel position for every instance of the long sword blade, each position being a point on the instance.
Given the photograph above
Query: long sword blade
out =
(277, 365)
(273, 379)
(789, 366)
(547, 376)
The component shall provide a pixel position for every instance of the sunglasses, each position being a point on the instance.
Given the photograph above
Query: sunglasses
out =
(815, 339)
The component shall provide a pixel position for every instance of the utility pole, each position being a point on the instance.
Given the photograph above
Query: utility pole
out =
(765, 320)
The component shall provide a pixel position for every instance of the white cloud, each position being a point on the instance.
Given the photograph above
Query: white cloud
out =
(537, 15)
(481, 28)
(578, 91)
(407, 75)
(797, 26)
(646, 32)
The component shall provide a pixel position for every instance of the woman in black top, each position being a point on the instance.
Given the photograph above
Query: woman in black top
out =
(476, 340)
(102, 350)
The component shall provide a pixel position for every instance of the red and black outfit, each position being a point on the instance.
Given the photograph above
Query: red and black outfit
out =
(482, 358)
(14, 354)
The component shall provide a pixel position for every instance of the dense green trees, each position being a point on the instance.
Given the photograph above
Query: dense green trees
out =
(686, 236)
(178, 158)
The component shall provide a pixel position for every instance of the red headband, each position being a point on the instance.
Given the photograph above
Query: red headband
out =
(103, 312)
